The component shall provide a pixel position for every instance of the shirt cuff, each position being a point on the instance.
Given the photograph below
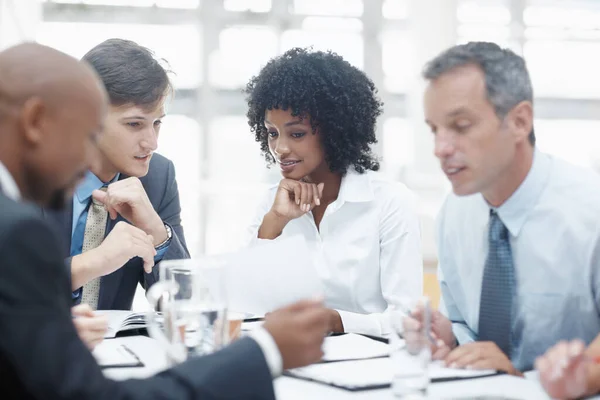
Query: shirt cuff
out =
(462, 333)
(270, 350)
(161, 253)
(366, 324)
(75, 294)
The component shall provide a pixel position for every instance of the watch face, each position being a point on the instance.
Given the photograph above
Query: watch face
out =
(169, 236)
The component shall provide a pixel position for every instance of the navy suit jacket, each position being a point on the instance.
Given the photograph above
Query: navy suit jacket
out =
(118, 289)
(42, 357)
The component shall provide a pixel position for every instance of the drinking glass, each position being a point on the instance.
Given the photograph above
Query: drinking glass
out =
(191, 295)
(410, 348)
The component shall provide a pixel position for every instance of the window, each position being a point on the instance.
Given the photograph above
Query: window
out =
(484, 21)
(180, 141)
(563, 48)
(247, 5)
(231, 210)
(397, 60)
(576, 141)
(234, 154)
(237, 182)
(333, 24)
(483, 12)
(348, 8)
(178, 44)
(185, 4)
(564, 68)
(395, 9)
(348, 45)
(398, 145)
(572, 18)
(243, 50)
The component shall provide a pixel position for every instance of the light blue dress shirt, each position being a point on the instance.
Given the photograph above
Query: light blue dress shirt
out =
(81, 204)
(553, 219)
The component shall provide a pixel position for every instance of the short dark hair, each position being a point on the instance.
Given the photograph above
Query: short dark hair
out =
(507, 80)
(339, 98)
(130, 73)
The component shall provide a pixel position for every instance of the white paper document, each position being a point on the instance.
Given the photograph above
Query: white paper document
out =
(353, 347)
(377, 372)
(111, 353)
(270, 275)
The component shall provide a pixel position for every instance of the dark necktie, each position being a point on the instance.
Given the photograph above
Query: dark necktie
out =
(497, 288)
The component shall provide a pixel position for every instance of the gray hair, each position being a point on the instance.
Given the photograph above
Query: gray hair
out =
(507, 80)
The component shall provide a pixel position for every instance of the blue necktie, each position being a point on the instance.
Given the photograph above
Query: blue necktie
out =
(497, 288)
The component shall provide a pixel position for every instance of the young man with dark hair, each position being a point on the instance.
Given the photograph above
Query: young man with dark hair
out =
(125, 216)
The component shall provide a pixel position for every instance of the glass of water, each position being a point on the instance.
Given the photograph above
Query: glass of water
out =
(191, 296)
(410, 348)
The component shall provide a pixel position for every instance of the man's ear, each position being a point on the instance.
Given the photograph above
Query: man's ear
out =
(32, 118)
(521, 120)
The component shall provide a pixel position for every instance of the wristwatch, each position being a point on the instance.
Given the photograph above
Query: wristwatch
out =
(167, 240)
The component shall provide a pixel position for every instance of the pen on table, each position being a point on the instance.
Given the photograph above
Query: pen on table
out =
(254, 319)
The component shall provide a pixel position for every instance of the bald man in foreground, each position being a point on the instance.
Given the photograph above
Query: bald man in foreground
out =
(51, 113)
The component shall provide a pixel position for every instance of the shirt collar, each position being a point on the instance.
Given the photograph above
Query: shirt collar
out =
(8, 184)
(515, 210)
(356, 187)
(90, 183)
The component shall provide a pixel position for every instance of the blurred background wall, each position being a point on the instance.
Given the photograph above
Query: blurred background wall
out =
(214, 46)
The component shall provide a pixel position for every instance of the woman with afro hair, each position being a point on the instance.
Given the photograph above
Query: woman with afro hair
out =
(314, 115)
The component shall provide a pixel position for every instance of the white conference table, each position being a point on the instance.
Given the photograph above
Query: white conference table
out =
(286, 388)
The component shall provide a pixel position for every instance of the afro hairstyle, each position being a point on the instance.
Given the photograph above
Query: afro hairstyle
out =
(338, 98)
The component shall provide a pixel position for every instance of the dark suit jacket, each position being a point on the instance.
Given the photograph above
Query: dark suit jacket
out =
(41, 356)
(117, 289)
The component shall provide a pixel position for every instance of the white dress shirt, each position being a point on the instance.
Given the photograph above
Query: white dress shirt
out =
(553, 220)
(8, 185)
(367, 249)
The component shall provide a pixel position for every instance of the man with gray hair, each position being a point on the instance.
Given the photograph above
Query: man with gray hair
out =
(518, 245)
